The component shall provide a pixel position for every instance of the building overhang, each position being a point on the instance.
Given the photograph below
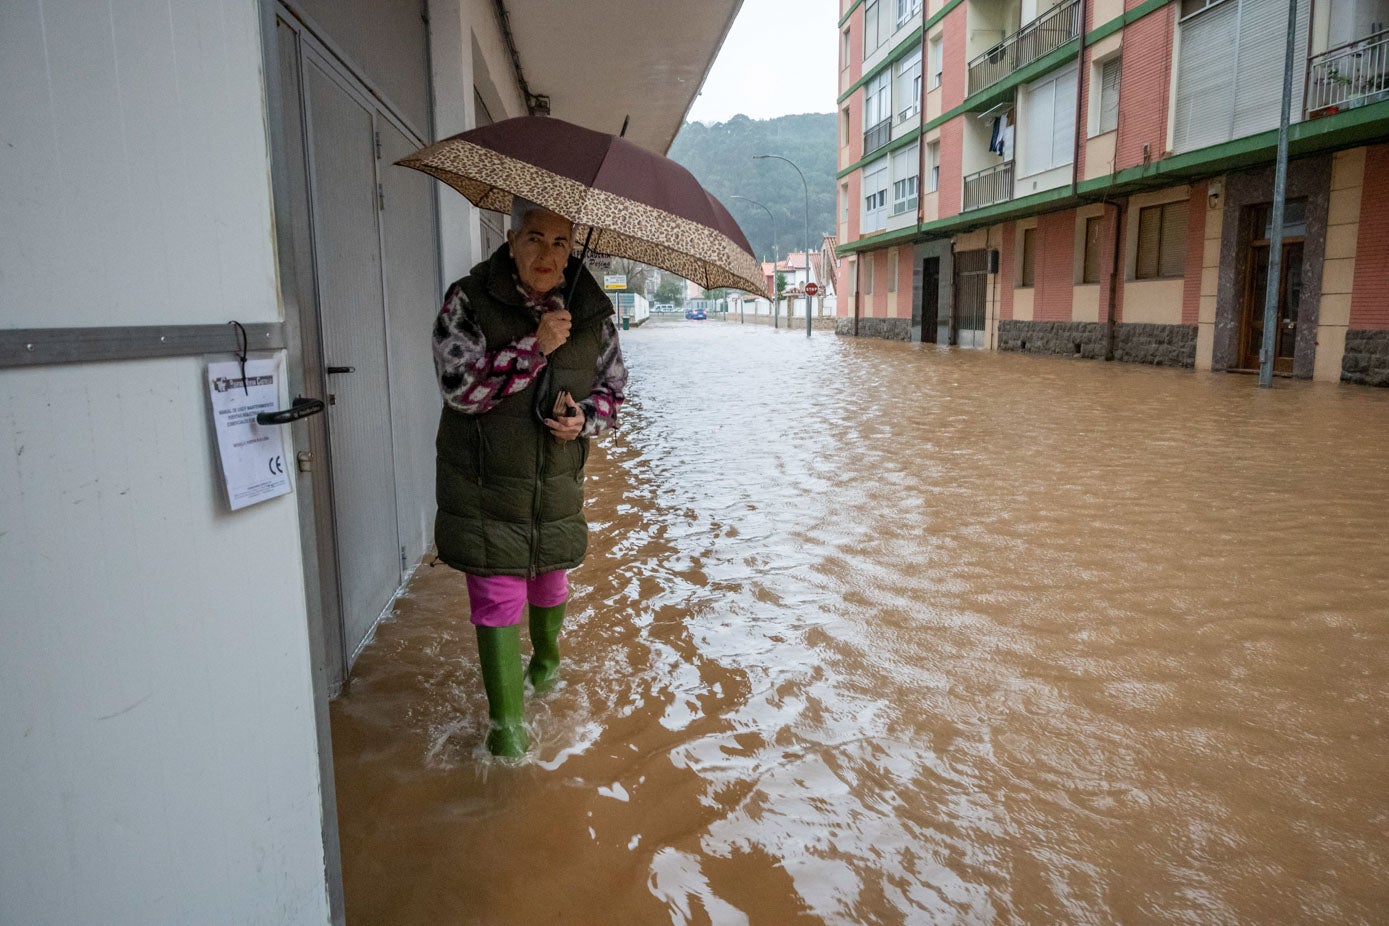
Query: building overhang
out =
(600, 62)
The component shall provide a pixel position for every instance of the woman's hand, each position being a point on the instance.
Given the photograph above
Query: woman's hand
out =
(553, 330)
(568, 420)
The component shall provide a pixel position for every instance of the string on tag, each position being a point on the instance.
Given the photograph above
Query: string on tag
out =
(241, 353)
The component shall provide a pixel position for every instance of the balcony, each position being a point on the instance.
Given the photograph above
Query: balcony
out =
(877, 136)
(993, 185)
(1349, 76)
(1044, 34)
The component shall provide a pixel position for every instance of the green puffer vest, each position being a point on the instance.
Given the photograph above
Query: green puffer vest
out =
(510, 496)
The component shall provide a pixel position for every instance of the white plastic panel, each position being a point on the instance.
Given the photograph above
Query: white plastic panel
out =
(159, 756)
(133, 183)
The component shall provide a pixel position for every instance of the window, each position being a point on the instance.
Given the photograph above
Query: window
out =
(1048, 123)
(906, 9)
(844, 47)
(1230, 69)
(892, 270)
(868, 260)
(908, 87)
(1161, 241)
(1109, 108)
(844, 204)
(906, 164)
(1192, 7)
(878, 25)
(1029, 257)
(932, 166)
(874, 216)
(1294, 220)
(844, 126)
(877, 102)
(871, 22)
(1090, 271)
(935, 60)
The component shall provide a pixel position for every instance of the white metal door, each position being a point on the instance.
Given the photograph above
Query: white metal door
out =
(348, 266)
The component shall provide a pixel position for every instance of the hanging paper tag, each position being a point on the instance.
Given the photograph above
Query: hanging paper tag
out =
(253, 462)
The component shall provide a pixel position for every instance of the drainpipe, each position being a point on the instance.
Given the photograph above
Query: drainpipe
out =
(1081, 129)
(954, 301)
(989, 292)
(858, 288)
(1115, 268)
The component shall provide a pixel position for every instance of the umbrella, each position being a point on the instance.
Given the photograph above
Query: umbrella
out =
(624, 201)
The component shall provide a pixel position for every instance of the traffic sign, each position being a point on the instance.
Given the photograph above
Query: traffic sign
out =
(812, 289)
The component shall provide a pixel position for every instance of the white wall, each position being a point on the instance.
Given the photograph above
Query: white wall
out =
(159, 756)
(466, 46)
(133, 183)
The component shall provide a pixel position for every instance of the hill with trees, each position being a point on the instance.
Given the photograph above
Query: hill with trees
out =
(720, 155)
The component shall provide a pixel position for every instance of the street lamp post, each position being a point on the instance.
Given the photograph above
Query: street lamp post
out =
(774, 250)
(758, 157)
(1269, 348)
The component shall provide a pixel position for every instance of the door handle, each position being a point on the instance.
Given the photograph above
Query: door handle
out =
(335, 370)
(299, 408)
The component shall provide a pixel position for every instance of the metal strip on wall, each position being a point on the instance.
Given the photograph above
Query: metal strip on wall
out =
(26, 347)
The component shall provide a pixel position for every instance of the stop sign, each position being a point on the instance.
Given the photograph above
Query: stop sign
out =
(812, 289)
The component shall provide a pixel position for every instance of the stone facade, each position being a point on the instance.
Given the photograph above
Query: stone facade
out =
(889, 329)
(1066, 339)
(1160, 345)
(1366, 360)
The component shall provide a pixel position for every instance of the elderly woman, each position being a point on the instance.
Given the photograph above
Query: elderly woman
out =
(527, 379)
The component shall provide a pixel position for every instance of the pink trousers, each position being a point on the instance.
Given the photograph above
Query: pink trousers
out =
(499, 601)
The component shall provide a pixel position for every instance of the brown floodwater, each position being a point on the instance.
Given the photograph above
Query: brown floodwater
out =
(875, 633)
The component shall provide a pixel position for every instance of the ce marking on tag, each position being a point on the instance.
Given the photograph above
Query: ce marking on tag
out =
(276, 465)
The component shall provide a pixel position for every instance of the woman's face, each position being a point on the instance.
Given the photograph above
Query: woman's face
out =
(541, 249)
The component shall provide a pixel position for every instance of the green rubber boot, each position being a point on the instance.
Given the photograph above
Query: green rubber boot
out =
(544, 666)
(499, 651)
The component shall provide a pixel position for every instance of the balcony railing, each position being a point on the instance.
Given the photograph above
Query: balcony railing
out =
(877, 136)
(1349, 76)
(994, 185)
(1046, 33)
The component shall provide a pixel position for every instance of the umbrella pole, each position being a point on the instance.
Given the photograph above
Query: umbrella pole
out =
(573, 285)
(583, 256)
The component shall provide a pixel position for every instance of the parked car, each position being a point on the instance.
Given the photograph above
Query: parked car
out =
(695, 315)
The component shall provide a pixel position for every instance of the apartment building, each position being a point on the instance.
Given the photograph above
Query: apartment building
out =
(1094, 178)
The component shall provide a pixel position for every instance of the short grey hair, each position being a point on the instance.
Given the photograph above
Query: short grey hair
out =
(520, 208)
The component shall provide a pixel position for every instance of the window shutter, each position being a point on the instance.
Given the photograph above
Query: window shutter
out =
(1091, 271)
(1029, 256)
(1263, 36)
(1109, 95)
(1037, 111)
(1206, 79)
(1172, 246)
(1064, 121)
(1149, 229)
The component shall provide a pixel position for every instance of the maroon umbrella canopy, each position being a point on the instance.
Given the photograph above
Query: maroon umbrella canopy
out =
(638, 204)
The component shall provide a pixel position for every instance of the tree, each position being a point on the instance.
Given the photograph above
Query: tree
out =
(780, 283)
(670, 290)
(638, 274)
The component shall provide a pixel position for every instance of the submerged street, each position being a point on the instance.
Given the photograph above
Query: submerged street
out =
(875, 633)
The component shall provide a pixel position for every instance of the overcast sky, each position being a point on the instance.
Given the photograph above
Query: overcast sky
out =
(780, 57)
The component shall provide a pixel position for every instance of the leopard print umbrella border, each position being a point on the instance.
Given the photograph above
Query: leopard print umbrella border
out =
(622, 227)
